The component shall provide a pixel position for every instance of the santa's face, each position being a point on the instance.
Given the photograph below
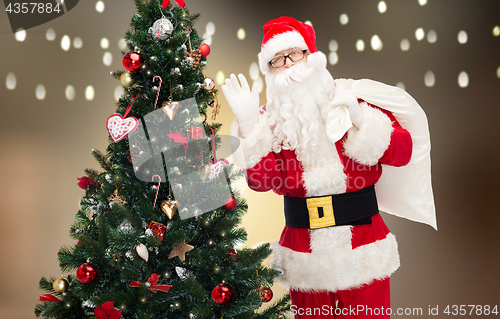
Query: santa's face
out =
(287, 58)
(298, 99)
(282, 80)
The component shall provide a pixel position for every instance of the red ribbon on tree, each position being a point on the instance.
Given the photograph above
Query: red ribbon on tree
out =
(152, 284)
(213, 146)
(106, 311)
(179, 2)
(49, 298)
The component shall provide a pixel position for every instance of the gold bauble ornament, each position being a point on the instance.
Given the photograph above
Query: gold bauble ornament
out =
(60, 285)
(126, 79)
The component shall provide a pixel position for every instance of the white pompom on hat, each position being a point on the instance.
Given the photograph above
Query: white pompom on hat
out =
(285, 33)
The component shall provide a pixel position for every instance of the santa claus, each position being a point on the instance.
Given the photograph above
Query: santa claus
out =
(323, 144)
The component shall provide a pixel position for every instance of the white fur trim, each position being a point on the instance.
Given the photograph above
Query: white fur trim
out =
(280, 42)
(253, 147)
(367, 144)
(317, 60)
(333, 265)
(323, 171)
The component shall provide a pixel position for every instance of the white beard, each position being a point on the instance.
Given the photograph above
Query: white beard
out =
(297, 106)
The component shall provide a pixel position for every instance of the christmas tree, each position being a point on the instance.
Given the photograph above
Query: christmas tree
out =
(158, 226)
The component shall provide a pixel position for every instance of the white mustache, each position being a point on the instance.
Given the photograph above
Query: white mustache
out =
(282, 80)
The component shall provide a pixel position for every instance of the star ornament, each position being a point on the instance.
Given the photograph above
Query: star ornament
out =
(180, 251)
(116, 198)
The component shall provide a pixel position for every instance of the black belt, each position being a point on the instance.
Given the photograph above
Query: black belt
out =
(354, 208)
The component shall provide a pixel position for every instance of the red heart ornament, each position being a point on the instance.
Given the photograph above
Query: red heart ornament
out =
(216, 168)
(119, 127)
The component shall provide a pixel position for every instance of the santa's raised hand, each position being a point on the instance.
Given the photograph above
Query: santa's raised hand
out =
(243, 101)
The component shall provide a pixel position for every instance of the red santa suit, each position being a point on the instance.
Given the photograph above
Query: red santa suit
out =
(336, 270)
(336, 258)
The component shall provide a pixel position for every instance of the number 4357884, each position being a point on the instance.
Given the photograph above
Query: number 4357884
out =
(32, 7)
(463, 310)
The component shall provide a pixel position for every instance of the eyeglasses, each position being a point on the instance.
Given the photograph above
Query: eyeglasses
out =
(294, 56)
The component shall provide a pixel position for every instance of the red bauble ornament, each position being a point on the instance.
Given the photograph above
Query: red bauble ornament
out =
(231, 203)
(205, 50)
(132, 61)
(266, 294)
(87, 274)
(223, 294)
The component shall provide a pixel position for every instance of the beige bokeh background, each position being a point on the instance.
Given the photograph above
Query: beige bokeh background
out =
(47, 144)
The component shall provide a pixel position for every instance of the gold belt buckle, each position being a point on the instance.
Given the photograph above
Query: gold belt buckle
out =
(328, 218)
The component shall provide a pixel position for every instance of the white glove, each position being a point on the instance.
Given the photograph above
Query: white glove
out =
(243, 102)
(346, 98)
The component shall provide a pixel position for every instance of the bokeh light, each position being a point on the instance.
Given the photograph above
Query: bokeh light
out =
(429, 79)
(40, 92)
(496, 31)
(210, 28)
(65, 43)
(122, 44)
(77, 43)
(89, 93)
(104, 43)
(254, 71)
(405, 45)
(99, 6)
(107, 59)
(241, 34)
(50, 35)
(70, 92)
(20, 35)
(344, 19)
(118, 92)
(419, 34)
(376, 43)
(463, 79)
(462, 37)
(11, 81)
(220, 78)
(333, 45)
(333, 58)
(360, 45)
(382, 7)
(432, 36)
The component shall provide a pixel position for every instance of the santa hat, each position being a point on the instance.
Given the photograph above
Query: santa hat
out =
(285, 33)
